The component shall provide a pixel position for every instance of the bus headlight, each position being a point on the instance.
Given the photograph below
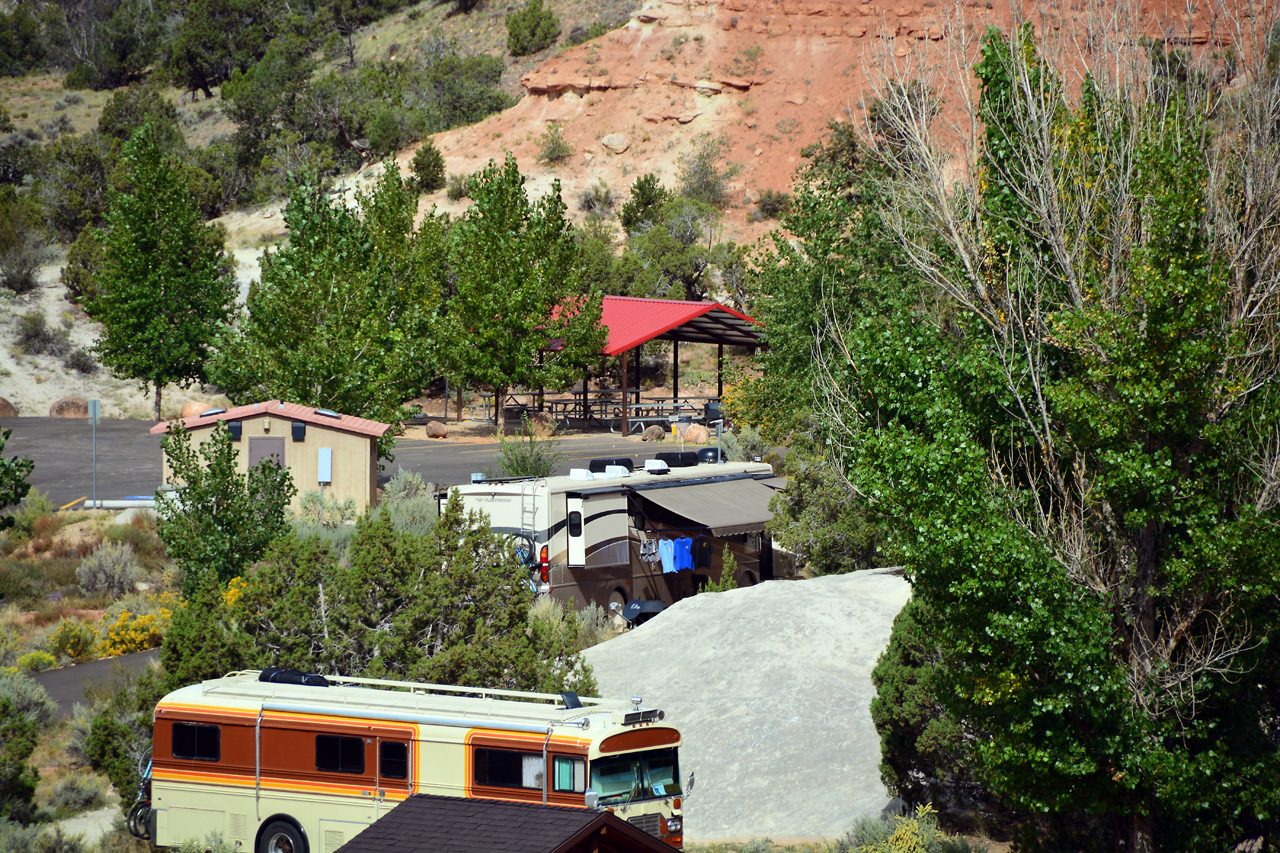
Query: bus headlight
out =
(674, 825)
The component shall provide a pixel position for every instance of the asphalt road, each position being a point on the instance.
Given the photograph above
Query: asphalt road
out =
(129, 457)
(67, 685)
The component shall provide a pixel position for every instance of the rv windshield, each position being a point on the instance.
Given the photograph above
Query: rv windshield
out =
(636, 776)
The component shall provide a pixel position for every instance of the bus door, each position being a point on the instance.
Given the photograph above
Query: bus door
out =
(393, 776)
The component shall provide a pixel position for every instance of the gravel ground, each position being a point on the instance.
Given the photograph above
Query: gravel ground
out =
(771, 687)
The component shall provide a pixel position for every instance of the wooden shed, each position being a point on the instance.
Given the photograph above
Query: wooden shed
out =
(426, 823)
(322, 450)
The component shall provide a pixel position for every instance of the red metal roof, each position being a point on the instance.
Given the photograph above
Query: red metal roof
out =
(632, 321)
(292, 411)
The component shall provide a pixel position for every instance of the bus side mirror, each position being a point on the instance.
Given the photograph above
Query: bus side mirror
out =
(688, 789)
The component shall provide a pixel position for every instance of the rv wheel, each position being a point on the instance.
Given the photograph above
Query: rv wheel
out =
(281, 837)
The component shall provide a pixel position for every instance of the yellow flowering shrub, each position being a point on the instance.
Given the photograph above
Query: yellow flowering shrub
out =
(136, 632)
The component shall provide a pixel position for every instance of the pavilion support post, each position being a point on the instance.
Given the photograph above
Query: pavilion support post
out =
(542, 389)
(719, 371)
(586, 401)
(459, 404)
(626, 400)
(675, 371)
(637, 370)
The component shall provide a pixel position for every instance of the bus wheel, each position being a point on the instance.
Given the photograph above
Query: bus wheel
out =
(281, 837)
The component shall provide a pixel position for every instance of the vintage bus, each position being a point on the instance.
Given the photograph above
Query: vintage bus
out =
(279, 762)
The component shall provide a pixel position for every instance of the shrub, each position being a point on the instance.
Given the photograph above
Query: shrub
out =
(35, 507)
(72, 639)
(531, 29)
(774, 203)
(581, 34)
(459, 186)
(80, 273)
(36, 662)
(10, 644)
(525, 454)
(315, 508)
(137, 630)
(552, 146)
(20, 267)
(728, 574)
(36, 337)
(744, 445)
(647, 198)
(28, 698)
(596, 198)
(81, 361)
(110, 570)
(428, 168)
(211, 843)
(76, 793)
(700, 179)
(140, 533)
(338, 538)
(410, 503)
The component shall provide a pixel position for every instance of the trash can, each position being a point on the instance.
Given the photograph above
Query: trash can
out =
(679, 424)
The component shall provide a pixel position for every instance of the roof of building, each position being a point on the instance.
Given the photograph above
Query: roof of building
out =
(632, 321)
(280, 409)
(425, 823)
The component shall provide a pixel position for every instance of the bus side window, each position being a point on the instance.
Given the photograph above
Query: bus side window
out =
(195, 742)
(570, 774)
(336, 754)
(504, 768)
(393, 760)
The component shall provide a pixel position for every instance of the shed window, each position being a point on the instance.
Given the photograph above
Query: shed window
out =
(339, 754)
(505, 768)
(194, 742)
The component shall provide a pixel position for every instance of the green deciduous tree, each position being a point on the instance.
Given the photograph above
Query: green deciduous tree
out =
(221, 520)
(163, 289)
(1072, 436)
(14, 471)
(518, 315)
(345, 316)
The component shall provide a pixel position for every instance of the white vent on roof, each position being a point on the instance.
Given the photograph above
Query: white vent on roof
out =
(208, 412)
(580, 474)
(655, 466)
(328, 413)
(616, 471)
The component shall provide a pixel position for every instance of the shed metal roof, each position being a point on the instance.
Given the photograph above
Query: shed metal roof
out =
(279, 409)
(632, 321)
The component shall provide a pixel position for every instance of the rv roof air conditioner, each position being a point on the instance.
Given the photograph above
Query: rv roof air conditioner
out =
(611, 471)
(580, 474)
(655, 466)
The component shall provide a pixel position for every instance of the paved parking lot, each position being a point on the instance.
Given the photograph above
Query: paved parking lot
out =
(129, 457)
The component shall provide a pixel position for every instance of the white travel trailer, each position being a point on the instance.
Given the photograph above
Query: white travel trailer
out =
(635, 540)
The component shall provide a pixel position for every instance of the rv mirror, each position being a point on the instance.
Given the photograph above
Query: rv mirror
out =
(688, 789)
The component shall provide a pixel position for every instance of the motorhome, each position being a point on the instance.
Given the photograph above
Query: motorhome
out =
(280, 762)
(635, 540)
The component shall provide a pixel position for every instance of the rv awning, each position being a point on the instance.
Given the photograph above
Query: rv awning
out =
(730, 507)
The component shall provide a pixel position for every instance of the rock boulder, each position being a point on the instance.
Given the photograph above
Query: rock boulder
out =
(653, 433)
(435, 429)
(70, 407)
(7, 409)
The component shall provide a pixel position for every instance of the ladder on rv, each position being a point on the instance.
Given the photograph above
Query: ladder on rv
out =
(529, 516)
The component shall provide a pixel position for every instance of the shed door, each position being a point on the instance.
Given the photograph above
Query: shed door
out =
(262, 447)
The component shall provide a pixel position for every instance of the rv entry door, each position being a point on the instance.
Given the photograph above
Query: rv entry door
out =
(574, 527)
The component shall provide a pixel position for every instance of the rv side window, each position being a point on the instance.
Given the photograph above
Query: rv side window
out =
(197, 743)
(570, 774)
(575, 523)
(393, 760)
(508, 769)
(339, 754)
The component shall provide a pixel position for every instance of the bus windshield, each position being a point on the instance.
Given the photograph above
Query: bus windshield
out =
(636, 776)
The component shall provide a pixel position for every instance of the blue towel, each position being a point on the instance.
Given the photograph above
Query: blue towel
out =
(666, 552)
